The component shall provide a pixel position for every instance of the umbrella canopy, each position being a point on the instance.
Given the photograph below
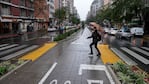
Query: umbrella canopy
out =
(97, 26)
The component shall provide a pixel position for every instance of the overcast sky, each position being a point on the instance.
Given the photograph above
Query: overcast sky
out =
(83, 6)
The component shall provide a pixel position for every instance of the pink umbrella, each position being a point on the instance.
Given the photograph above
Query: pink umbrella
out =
(97, 26)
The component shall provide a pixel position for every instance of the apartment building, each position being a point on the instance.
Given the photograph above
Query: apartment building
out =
(51, 8)
(51, 5)
(41, 14)
(95, 6)
(15, 15)
(58, 4)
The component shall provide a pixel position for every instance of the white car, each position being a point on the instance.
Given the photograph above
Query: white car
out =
(137, 31)
(106, 29)
(113, 31)
(124, 33)
(51, 29)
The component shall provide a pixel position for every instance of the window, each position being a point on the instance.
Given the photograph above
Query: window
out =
(22, 2)
(6, 0)
(23, 12)
(5, 10)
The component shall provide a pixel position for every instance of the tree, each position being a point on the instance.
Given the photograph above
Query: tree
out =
(60, 14)
(127, 9)
(74, 20)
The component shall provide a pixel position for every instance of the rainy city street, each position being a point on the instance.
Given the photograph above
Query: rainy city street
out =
(74, 42)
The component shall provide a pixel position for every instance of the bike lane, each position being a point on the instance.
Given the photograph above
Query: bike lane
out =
(75, 66)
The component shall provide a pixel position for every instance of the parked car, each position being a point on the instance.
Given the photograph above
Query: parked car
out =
(137, 31)
(113, 31)
(106, 29)
(124, 32)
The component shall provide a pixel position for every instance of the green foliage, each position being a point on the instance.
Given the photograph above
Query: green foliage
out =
(60, 14)
(119, 66)
(126, 75)
(3, 69)
(20, 62)
(63, 36)
(75, 20)
(12, 66)
(7, 66)
(124, 78)
(120, 10)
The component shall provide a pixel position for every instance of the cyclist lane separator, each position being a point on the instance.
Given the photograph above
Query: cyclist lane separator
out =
(34, 55)
(107, 56)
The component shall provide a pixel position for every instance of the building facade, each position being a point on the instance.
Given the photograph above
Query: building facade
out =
(58, 4)
(96, 6)
(15, 15)
(41, 14)
(51, 8)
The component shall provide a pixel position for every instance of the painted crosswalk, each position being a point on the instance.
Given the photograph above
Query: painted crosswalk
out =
(9, 51)
(134, 56)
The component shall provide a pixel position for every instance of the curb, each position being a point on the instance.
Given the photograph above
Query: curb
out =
(113, 75)
(14, 70)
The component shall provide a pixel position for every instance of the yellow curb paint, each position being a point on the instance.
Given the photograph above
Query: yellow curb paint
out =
(107, 56)
(39, 52)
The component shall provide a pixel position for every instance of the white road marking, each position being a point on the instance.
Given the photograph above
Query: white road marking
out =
(135, 55)
(53, 82)
(146, 48)
(90, 67)
(95, 81)
(140, 50)
(96, 67)
(67, 82)
(47, 74)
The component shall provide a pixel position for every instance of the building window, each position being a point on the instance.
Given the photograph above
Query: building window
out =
(5, 10)
(6, 0)
(22, 2)
(23, 12)
(30, 14)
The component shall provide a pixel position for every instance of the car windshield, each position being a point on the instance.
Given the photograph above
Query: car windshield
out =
(126, 30)
(115, 29)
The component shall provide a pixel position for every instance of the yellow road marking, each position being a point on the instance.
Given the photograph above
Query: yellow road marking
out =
(39, 52)
(107, 56)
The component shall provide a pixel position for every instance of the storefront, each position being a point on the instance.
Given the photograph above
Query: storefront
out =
(5, 26)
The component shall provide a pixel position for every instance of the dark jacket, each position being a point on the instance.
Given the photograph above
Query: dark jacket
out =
(96, 36)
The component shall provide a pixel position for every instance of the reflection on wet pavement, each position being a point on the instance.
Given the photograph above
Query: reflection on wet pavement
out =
(139, 42)
(31, 38)
(134, 41)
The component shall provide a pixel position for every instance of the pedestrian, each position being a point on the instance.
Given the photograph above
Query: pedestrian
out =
(95, 38)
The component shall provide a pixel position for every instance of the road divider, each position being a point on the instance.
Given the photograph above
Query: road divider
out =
(39, 52)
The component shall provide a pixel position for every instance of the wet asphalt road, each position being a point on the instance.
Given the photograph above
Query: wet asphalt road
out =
(34, 38)
(67, 63)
